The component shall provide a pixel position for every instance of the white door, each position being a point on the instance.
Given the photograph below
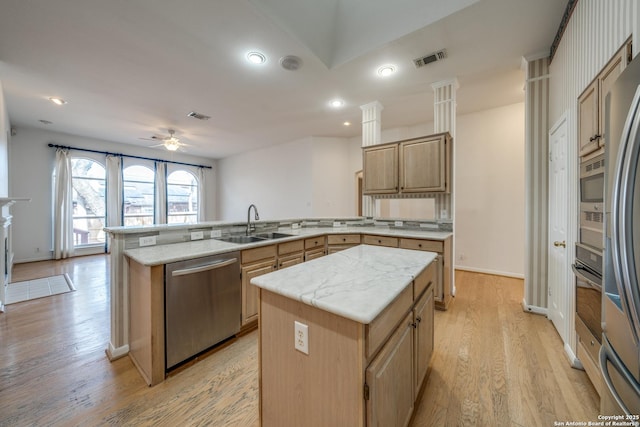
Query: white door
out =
(558, 207)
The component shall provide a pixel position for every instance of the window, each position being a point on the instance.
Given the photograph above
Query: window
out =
(88, 182)
(182, 198)
(139, 205)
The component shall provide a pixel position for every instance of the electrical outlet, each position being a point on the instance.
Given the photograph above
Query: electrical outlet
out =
(295, 225)
(443, 213)
(336, 223)
(197, 235)
(147, 241)
(398, 223)
(301, 332)
(216, 233)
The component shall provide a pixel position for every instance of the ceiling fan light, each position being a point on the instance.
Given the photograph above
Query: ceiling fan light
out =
(172, 144)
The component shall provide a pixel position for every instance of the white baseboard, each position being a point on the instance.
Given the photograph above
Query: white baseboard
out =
(114, 353)
(573, 359)
(486, 271)
(533, 309)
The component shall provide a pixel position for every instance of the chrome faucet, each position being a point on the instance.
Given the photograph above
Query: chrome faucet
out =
(250, 227)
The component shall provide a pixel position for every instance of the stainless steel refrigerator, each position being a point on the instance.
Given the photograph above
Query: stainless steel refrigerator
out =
(620, 352)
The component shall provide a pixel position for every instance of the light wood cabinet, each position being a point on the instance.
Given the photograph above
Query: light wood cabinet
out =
(423, 337)
(290, 253)
(380, 169)
(443, 270)
(391, 242)
(314, 248)
(425, 164)
(418, 165)
(255, 262)
(390, 380)
(591, 103)
(339, 242)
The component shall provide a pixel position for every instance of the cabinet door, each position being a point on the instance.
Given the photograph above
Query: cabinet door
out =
(390, 379)
(607, 78)
(289, 260)
(588, 130)
(423, 165)
(423, 318)
(313, 254)
(250, 292)
(380, 169)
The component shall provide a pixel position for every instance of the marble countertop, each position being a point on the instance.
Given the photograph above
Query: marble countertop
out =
(163, 254)
(357, 283)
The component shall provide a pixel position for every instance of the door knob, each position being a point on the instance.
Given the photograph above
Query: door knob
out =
(558, 244)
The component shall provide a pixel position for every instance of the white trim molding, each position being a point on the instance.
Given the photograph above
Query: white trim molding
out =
(532, 308)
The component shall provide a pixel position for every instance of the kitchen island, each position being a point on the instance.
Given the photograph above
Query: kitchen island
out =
(346, 339)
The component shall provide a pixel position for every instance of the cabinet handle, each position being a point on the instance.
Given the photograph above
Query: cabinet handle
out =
(415, 325)
(419, 319)
(595, 137)
(379, 241)
(419, 245)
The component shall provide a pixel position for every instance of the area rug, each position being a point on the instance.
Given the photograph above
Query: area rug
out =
(38, 288)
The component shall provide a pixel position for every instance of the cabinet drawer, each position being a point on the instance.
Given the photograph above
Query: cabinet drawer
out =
(256, 254)
(341, 239)
(314, 253)
(391, 242)
(379, 329)
(290, 247)
(422, 245)
(424, 279)
(314, 242)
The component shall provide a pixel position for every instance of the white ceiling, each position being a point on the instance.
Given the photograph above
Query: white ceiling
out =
(131, 69)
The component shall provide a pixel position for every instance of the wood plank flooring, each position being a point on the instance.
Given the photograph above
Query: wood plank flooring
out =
(493, 364)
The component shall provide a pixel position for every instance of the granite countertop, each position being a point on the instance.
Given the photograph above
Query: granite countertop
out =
(357, 283)
(163, 254)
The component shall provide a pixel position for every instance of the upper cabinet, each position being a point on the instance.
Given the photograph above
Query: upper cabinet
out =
(418, 165)
(591, 103)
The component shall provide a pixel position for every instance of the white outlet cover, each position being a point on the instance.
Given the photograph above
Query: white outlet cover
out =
(301, 337)
(336, 223)
(216, 233)
(398, 223)
(197, 235)
(147, 241)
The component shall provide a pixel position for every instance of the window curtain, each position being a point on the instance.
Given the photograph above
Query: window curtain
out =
(115, 194)
(201, 193)
(161, 193)
(63, 206)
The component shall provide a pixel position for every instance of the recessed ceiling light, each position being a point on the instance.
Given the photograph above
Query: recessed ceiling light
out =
(336, 103)
(256, 58)
(386, 70)
(347, 123)
(57, 101)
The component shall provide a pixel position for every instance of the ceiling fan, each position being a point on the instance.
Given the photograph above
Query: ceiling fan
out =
(170, 142)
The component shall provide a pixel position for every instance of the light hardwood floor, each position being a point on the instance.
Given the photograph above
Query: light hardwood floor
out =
(493, 364)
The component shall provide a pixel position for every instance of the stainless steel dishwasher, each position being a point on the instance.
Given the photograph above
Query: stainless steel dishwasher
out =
(202, 304)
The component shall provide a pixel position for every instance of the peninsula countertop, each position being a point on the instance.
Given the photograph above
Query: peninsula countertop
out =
(163, 254)
(357, 283)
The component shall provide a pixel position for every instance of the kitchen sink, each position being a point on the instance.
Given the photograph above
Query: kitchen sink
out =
(241, 239)
(255, 238)
(273, 235)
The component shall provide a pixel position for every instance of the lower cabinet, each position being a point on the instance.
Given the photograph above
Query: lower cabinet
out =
(390, 380)
(423, 336)
(255, 262)
(339, 242)
(314, 248)
(290, 253)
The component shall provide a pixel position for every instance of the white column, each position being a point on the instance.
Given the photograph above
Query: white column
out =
(444, 120)
(371, 135)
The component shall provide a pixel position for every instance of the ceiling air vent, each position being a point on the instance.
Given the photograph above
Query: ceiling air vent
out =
(428, 59)
(198, 116)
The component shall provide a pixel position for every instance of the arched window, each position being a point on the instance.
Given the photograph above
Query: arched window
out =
(88, 182)
(138, 182)
(182, 198)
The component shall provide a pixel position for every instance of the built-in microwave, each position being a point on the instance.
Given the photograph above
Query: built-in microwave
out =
(592, 202)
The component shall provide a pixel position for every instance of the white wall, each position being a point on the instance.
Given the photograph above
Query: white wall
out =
(489, 197)
(5, 136)
(31, 167)
(310, 177)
